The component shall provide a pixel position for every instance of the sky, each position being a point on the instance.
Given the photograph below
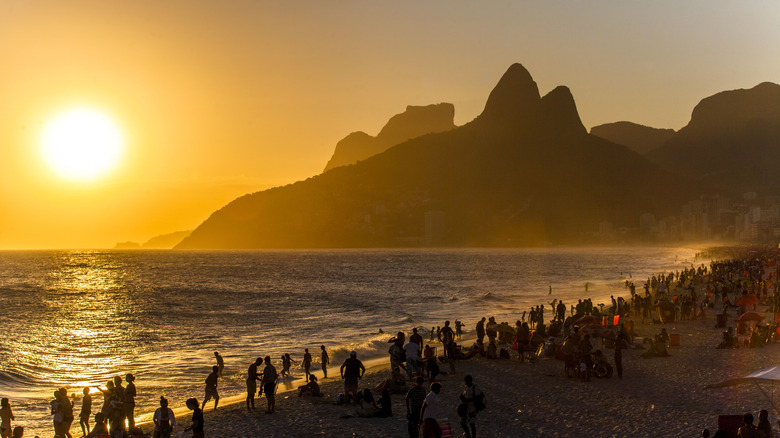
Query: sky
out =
(217, 99)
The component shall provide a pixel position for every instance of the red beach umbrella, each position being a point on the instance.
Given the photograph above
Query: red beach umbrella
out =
(750, 316)
(747, 300)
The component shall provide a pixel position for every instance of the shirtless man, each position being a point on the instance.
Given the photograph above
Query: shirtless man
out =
(325, 362)
(251, 383)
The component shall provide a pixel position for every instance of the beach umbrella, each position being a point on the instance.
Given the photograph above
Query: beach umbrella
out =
(596, 330)
(504, 328)
(589, 319)
(747, 300)
(750, 316)
(766, 376)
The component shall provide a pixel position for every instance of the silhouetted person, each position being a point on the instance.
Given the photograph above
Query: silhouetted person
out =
(56, 412)
(251, 383)
(286, 364)
(748, 430)
(128, 401)
(414, 401)
(197, 416)
(100, 426)
(306, 362)
(469, 397)
(107, 394)
(211, 387)
(325, 362)
(164, 420)
(6, 415)
(67, 412)
(269, 384)
(351, 371)
(481, 330)
(220, 362)
(86, 411)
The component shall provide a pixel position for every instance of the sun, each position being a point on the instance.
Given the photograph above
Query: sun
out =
(82, 144)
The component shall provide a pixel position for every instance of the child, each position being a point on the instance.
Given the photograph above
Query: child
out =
(197, 419)
(7, 416)
(86, 411)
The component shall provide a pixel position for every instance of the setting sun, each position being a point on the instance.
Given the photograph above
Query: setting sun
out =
(82, 144)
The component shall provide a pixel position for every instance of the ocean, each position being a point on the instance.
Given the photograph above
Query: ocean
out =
(78, 318)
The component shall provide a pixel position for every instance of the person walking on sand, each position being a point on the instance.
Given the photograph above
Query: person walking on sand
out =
(211, 387)
(430, 412)
(471, 397)
(351, 370)
(251, 383)
(220, 363)
(128, 402)
(621, 342)
(458, 329)
(6, 415)
(414, 401)
(325, 362)
(269, 384)
(86, 412)
(164, 420)
(197, 417)
(306, 363)
(286, 364)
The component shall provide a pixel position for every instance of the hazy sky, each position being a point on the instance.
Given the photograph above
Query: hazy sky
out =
(222, 98)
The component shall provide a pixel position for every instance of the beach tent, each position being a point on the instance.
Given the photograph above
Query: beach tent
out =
(768, 376)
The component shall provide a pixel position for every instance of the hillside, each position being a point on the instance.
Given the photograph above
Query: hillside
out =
(732, 142)
(414, 122)
(524, 172)
(639, 138)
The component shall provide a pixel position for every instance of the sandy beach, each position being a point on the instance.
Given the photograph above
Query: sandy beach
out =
(660, 396)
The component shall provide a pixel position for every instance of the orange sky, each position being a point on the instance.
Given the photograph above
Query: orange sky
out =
(219, 99)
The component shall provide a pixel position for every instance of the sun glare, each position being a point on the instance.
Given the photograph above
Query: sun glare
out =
(82, 144)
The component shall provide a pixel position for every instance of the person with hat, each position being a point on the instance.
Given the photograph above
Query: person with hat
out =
(351, 371)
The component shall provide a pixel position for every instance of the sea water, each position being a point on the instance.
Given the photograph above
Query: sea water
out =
(78, 318)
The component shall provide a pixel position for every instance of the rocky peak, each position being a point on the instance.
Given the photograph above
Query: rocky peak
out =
(515, 97)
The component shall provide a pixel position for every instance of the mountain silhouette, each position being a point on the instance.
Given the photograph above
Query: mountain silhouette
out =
(414, 122)
(524, 172)
(732, 142)
(638, 138)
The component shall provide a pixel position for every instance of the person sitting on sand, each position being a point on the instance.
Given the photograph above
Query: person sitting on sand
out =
(18, 432)
(366, 405)
(748, 430)
(396, 384)
(492, 352)
(197, 418)
(100, 426)
(385, 405)
(164, 420)
(311, 389)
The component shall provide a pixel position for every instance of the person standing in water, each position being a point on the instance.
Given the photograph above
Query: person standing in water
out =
(269, 384)
(306, 362)
(220, 363)
(211, 387)
(325, 362)
(6, 415)
(128, 401)
(251, 383)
